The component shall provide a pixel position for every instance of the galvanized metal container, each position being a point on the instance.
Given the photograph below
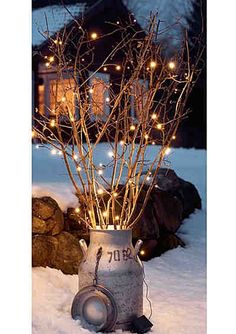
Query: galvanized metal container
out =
(119, 270)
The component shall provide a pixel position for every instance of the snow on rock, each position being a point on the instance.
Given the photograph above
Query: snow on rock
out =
(172, 14)
(176, 280)
(52, 19)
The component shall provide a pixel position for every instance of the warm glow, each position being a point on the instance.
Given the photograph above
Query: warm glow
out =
(167, 151)
(153, 143)
(118, 67)
(122, 142)
(105, 69)
(148, 178)
(174, 137)
(77, 210)
(117, 217)
(171, 65)
(47, 64)
(154, 116)
(100, 191)
(91, 90)
(79, 169)
(60, 153)
(146, 137)
(110, 153)
(55, 41)
(117, 22)
(132, 127)
(153, 64)
(115, 194)
(159, 126)
(75, 157)
(104, 213)
(94, 35)
(52, 123)
(51, 59)
(60, 42)
(63, 99)
(53, 151)
(142, 252)
(33, 133)
(100, 172)
(107, 99)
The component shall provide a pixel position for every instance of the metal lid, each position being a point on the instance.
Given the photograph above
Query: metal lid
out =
(95, 307)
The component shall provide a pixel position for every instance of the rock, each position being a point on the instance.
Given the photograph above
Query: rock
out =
(47, 216)
(62, 252)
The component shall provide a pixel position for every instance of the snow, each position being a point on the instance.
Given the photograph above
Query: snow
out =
(177, 279)
(169, 12)
(52, 19)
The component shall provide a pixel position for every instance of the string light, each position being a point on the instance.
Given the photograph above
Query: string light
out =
(142, 252)
(55, 41)
(94, 35)
(117, 218)
(167, 151)
(132, 127)
(52, 123)
(51, 59)
(159, 126)
(153, 64)
(100, 172)
(33, 134)
(37, 146)
(100, 191)
(53, 151)
(104, 213)
(146, 136)
(47, 64)
(107, 99)
(105, 69)
(154, 116)
(60, 153)
(60, 42)
(118, 67)
(115, 194)
(91, 90)
(117, 22)
(63, 99)
(174, 137)
(75, 157)
(77, 210)
(171, 65)
(111, 154)
(79, 169)
(153, 143)
(122, 142)
(100, 164)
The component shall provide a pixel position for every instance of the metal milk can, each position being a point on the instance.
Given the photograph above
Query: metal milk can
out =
(119, 270)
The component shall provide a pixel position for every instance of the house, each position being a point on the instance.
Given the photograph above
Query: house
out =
(49, 21)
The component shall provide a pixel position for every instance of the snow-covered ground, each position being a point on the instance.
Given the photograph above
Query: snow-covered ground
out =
(177, 279)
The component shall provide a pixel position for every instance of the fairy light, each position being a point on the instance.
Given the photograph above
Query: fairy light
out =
(75, 157)
(51, 59)
(174, 137)
(105, 69)
(107, 99)
(33, 134)
(153, 143)
(55, 41)
(63, 99)
(91, 90)
(146, 136)
(79, 169)
(117, 218)
(94, 35)
(167, 151)
(171, 65)
(77, 210)
(122, 142)
(52, 123)
(47, 64)
(60, 153)
(132, 127)
(118, 67)
(53, 151)
(117, 22)
(153, 64)
(37, 146)
(100, 172)
(104, 214)
(60, 42)
(100, 164)
(154, 116)
(110, 154)
(159, 126)
(115, 194)
(148, 178)
(142, 252)
(100, 191)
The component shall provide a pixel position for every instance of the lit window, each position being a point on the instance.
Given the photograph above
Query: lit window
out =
(61, 95)
(41, 99)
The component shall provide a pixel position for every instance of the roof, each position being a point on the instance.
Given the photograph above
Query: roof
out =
(52, 19)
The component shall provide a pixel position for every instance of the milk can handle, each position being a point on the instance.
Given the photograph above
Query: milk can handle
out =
(83, 246)
(137, 247)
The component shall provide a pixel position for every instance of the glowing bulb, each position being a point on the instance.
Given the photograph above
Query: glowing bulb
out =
(117, 218)
(174, 137)
(53, 151)
(75, 157)
(110, 153)
(171, 65)
(94, 35)
(100, 172)
(77, 210)
(153, 64)
(117, 22)
(79, 169)
(91, 90)
(135, 21)
(100, 191)
(51, 59)
(33, 134)
(60, 42)
(154, 116)
(153, 143)
(167, 151)
(132, 127)
(142, 252)
(146, 136)
(118, 67)
(55, 41)
(47, 64)
(104, 213)
(60, 153)
(159, 126)
(105, 69)
(148, 178)
(122, 142)
(37, 146)
(115, 194)
(63, 99)
(107, 99)
(100, 164)
(52, 123)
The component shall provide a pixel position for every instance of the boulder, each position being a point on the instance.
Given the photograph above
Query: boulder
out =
(61, 252)
(47, 216)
